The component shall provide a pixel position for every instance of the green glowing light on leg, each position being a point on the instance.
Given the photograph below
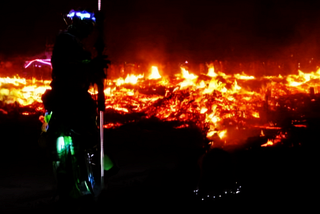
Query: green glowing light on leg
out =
(60, 145)
(68, 141)
(87, 186)
(108, 164)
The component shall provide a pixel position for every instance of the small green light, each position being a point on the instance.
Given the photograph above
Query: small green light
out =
(108, 164)
(87, 186)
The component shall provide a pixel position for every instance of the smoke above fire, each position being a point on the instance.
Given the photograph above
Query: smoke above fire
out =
(208, 30)
(162, 31)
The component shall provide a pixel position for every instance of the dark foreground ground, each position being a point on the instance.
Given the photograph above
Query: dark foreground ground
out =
(158, 172)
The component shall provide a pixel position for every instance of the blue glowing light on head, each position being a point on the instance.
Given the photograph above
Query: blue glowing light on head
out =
(81, 14)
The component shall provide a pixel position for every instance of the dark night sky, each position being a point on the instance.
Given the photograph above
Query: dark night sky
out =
(144, 30)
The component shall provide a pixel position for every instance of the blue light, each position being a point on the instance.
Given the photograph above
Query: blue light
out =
(81, 14)
(71, 15)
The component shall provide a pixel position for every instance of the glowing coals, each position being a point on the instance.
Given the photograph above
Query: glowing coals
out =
(215, 101)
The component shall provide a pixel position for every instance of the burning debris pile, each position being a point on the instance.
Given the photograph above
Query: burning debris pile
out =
(21, 94)
(228, 109)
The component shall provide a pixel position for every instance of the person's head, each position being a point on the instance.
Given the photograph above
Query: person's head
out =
(82, 23)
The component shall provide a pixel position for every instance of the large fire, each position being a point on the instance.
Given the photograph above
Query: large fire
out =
(223, 106)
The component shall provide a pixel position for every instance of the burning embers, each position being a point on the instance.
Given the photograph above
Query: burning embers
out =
(21, 92)
(227, 108)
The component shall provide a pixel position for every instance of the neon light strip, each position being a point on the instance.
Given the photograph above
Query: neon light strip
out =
(42, 61)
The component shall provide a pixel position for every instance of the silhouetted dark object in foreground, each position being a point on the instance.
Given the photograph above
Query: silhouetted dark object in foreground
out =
(217, 172)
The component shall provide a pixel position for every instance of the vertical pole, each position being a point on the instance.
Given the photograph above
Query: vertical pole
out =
(101, 149)
(100, 47)
(99, 5)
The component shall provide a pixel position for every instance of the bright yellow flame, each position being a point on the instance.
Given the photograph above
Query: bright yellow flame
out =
(186, 75)
(21, 90)
(269, 143)
(130, 79)
(119, 81)
(203, 110)
(214, 84)
(107, 91)
(256, 114)
(202, 84)
(212, 118)
(133, 79)
(211, 72)
(189, 79)
(301, 78)
(210, 133)
(235, 86)
(244, 76)
(15, 81)
(222, 134)
(118, 108)
(154, 73)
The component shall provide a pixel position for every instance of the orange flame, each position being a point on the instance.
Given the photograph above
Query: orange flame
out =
(213, 101)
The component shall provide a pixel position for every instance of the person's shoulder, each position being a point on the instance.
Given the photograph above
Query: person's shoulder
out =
(65, 35)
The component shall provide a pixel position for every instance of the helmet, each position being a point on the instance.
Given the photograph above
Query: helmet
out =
(82, 22)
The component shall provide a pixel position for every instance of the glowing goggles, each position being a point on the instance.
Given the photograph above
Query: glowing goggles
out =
(81, 14)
